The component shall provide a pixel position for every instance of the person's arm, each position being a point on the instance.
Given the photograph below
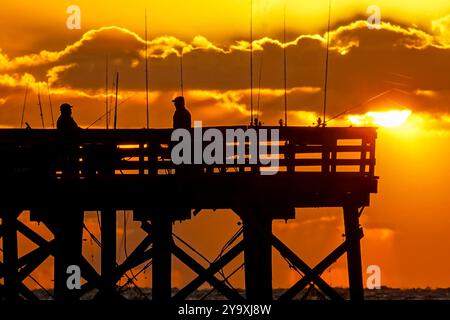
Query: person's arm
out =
(189, 120)
(75, 125)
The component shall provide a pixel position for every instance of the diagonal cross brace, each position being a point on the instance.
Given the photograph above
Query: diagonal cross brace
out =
(29, 262)
(300, 264)
(138, 256)
(200, 270)
(314, 274)
(209, 272)
(34, 259)
(31, 234)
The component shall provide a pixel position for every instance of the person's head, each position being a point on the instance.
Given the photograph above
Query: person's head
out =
(66, 109)
(178, 102)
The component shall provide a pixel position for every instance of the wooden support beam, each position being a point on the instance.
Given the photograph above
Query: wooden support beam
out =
(31, 234)
(108, 253)
(211, 271)
(10, 256)
(228, 292)
(67, 228)
(258, 256)
(314, 274)
(27, 293)
(33, 260)
(326, 152)
(354, 264)
(300, 264)
(138, 256)
(133, 263)
(94, 280)
(162, 258)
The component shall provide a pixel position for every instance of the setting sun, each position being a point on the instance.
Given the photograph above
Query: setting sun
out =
(387, 119)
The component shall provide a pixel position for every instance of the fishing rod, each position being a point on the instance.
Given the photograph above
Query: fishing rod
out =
(360, 105)
(181, 74)
(106, 93)
(285, 66)
(50, 105)
(24, 106)
(257, 120)
(326, 65)
(40, 108)
(146, 70)
(108, 113)
(115, 106)
(111, 98)
(251, 62)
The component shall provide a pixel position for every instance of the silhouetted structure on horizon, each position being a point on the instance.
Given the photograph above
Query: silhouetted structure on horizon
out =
(319, 167)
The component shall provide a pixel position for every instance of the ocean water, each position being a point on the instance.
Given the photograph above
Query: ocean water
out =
(384, 293)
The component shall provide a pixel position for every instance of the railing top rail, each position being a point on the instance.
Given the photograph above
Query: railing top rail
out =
(137, 135)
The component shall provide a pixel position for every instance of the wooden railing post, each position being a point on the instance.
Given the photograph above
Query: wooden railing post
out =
(362, 167)
(333, 155)
(326, 156)
(372, 158)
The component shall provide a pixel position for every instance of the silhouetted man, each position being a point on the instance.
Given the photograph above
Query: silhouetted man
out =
(65, 120)
(181, 117)
(69, 150)
(182, 120)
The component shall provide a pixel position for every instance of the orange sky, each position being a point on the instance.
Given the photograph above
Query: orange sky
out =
(407, 227)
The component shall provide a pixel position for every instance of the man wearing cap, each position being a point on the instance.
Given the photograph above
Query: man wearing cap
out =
(65, 120)
(69, 150)
(181, 117)
(182, 120)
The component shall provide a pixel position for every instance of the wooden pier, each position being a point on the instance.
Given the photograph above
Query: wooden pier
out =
(58, 176)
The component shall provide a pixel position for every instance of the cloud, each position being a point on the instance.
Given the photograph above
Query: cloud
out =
(46, 57)
(53, 73)
(441, 29)
(342, 40)
(14, 80)
(363, 63)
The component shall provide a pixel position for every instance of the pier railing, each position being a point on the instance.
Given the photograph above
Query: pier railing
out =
(95, 153)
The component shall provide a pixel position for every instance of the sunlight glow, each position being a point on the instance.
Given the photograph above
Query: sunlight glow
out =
(387, 119)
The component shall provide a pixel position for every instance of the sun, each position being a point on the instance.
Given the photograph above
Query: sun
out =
(386, 119)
